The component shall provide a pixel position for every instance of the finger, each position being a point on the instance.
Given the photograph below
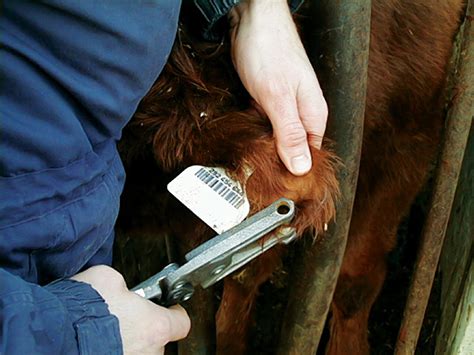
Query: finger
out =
(180, 324)
(289, 131)
(313, 110)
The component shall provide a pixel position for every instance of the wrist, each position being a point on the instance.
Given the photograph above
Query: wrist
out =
(260, 5)
(89, 315)
(261, 8)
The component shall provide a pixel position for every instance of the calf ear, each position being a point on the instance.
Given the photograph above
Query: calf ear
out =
(314, 193)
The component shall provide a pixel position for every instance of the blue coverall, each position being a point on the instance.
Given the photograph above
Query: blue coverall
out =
(71, 75)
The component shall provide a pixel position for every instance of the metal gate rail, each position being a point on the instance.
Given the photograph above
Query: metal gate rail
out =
(459, 120)
(339, 48)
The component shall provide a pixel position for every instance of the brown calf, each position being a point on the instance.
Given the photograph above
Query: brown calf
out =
(198, 113)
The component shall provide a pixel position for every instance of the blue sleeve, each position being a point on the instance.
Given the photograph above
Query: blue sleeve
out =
(64, 317)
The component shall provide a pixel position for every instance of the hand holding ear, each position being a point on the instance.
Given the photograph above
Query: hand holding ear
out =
(274, 68)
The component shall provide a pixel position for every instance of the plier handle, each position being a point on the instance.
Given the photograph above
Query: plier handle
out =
(221, 255)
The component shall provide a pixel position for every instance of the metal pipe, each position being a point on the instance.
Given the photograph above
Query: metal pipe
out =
(459, 120)
(201, 339)
(339, 47)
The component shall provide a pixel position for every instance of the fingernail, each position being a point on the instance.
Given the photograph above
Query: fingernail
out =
(301, 164)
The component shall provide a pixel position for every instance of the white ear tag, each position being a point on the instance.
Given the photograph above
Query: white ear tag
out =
(212, 195)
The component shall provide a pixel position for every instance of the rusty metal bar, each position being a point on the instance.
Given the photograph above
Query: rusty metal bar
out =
(339, 47)
(459, 120)
(457, 254)
(201, 339)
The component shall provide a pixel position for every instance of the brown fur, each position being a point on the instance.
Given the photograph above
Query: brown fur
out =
(198, 113)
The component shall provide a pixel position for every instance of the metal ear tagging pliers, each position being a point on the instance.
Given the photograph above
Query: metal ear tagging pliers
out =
(221, 255)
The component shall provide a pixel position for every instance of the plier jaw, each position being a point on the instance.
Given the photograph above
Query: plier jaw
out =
(221, 255)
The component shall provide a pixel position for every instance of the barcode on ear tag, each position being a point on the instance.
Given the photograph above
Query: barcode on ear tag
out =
(212, 195)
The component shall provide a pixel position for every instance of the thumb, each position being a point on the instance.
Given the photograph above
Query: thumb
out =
(291, 137)
(179, 323)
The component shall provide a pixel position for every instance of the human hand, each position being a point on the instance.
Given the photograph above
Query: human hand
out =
(274, 68)
(144, 326)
